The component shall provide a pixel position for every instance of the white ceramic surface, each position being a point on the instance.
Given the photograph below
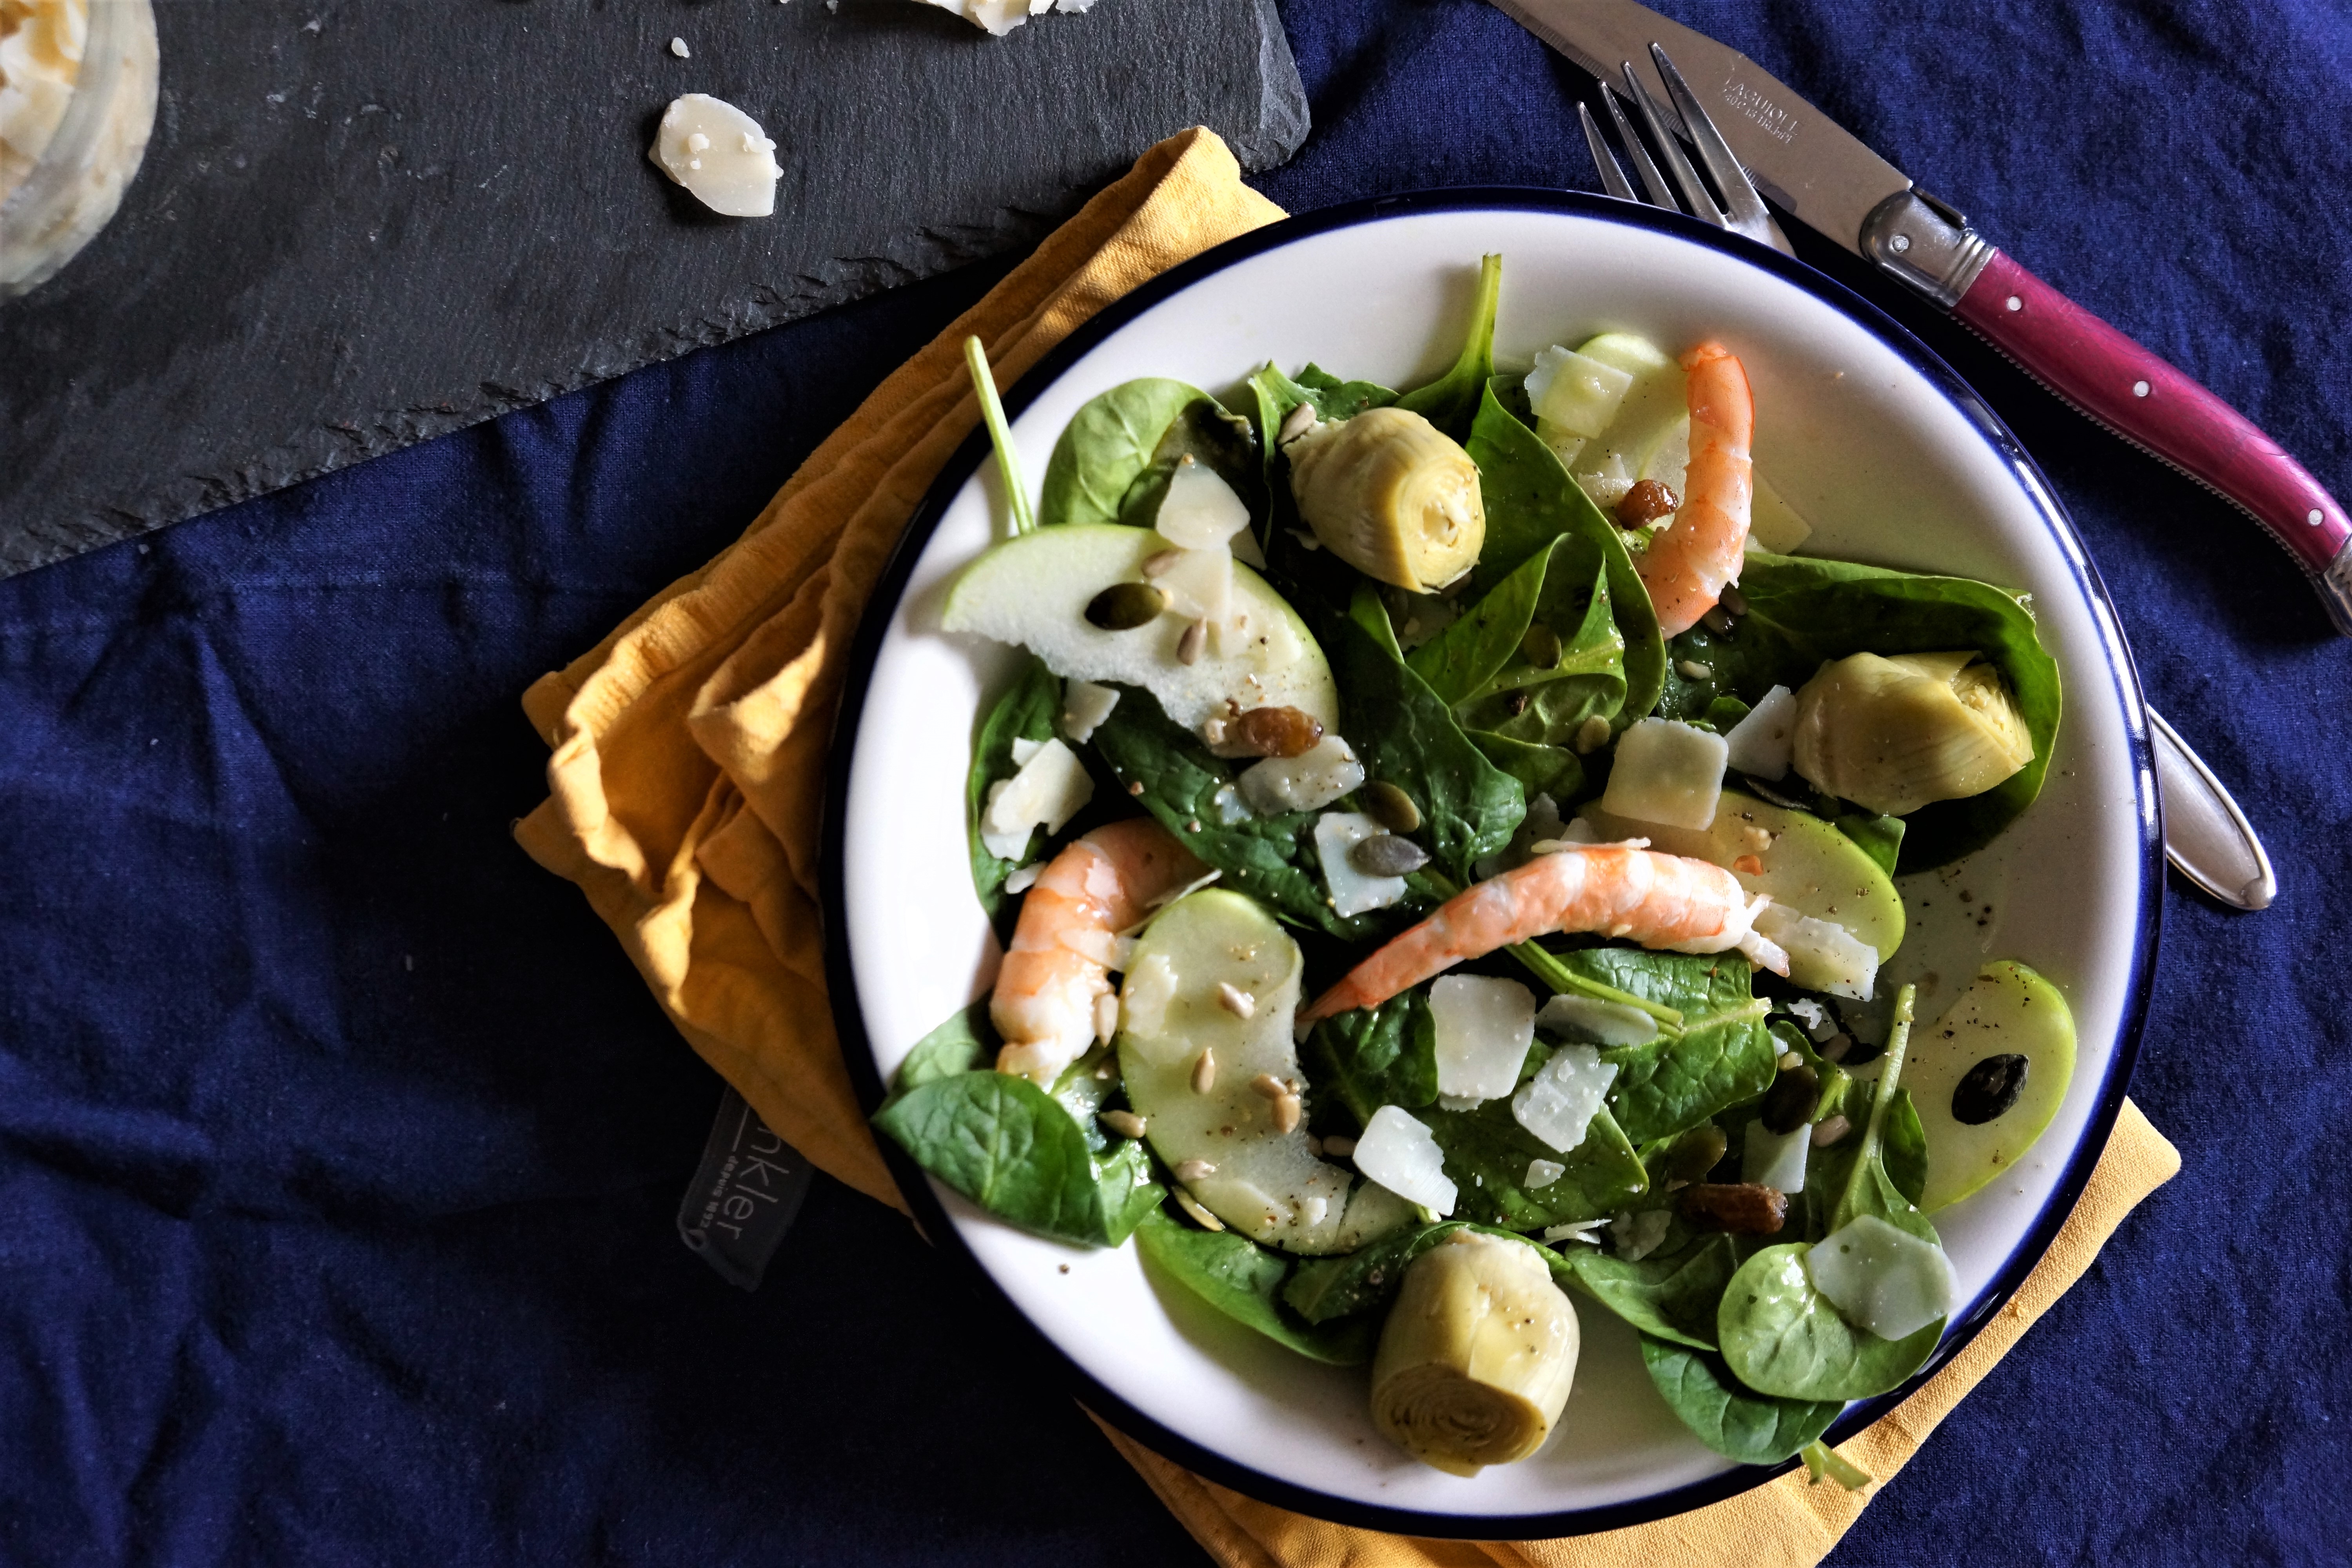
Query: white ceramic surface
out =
(1888, 470)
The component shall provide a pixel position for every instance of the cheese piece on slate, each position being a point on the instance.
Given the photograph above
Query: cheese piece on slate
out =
(719, 154)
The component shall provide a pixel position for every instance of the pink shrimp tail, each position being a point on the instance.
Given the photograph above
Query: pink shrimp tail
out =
(1055, 966)
(1686, 566)
(1658, 900)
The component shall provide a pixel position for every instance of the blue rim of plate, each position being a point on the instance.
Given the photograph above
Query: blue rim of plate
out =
(857, 1046)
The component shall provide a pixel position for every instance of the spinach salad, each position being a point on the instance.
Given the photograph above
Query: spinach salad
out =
(1444, 860)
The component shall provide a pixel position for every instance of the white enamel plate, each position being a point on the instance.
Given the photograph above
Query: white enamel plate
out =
(1860, 428)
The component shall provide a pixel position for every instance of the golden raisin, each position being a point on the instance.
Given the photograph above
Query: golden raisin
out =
(1647, 501)
(1273, 733)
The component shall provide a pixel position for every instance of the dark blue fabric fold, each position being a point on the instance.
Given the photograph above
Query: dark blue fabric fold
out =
(339, 1145)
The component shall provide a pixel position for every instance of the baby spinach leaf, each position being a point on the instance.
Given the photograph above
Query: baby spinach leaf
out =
(1781, 1335)
(1206, 433)
(1672, 1297)
(1546, 700)
(1722, 1055)
(1461, 661)
(1014, 1149)
(1324, 1289)
(965, 1043)
(1024, 712)
(1530, 501)
(1337, 399)
(1450, 402)
(1486, 1155)
(1272, 859)
(1803, 612)
(1904, 1153)
(1554, 771)
(1244, 1281)
(1379, 1055)
(1737, 1423)
(1881, 838)
(1402, 733)
(1107, 446)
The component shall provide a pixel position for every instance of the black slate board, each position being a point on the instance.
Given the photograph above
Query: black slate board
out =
(418, 214)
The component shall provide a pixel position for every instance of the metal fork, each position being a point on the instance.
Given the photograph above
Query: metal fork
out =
(1743, 210)
(2206, 837)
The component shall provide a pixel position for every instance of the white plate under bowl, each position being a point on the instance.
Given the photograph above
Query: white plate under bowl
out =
(1866, 434)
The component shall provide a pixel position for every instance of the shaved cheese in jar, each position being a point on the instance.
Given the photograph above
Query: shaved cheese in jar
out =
(1559, 1103)
(1352, 892)
(1308, 782)
(1484, 1027)
(1049, 790)
(1758, 744)
(1666, 773)
(718, 153)
(1882, 1278)
(1402, 1155)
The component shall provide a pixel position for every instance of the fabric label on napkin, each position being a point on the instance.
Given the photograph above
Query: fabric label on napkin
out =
(743, 1198)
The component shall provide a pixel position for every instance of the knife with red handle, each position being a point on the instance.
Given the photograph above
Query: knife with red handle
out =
(1805, 164)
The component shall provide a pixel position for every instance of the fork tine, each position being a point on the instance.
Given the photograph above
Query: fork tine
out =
(1746, 208)
(1612, 178)
(1652, 181)
(1698, 202)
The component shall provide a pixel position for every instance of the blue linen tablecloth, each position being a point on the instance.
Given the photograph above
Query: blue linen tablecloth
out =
(339, 1145)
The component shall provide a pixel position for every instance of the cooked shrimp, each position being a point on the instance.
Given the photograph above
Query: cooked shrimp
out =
(1686, 566)
(1067, 942)
(1611, 889)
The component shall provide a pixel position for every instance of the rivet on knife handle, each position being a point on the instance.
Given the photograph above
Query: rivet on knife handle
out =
(2116, 382)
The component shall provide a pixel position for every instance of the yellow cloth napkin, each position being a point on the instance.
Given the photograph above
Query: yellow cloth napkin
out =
(688, 773)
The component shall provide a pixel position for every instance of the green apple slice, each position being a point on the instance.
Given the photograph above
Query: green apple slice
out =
(1225, 1145)
(2007, 1012)
(1034, 591)
(1808, 865)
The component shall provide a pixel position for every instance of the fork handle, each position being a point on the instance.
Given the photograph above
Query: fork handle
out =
(2155, 408)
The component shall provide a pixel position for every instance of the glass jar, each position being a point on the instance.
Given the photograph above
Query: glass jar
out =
(78, 80)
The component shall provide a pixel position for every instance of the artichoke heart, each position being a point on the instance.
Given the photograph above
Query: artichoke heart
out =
(1392, 495)
(1896, 733)
(1476, 1357)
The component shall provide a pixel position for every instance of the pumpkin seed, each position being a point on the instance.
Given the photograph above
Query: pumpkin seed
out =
(1540, 648)
(1987, 1088)
(1792, 1100)
(1696, 1153)
(1591, 735)
(1123, 606)
(1390, 806)
(1386, 854)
